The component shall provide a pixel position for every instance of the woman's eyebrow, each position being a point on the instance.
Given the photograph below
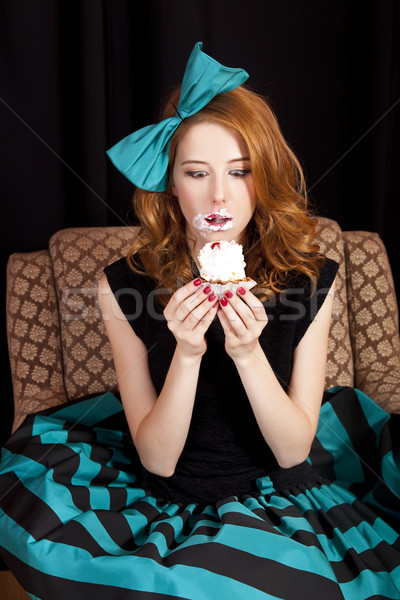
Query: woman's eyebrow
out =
(199, 162)
(241, 159)
(203, 162)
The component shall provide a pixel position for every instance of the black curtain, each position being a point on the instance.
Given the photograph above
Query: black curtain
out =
(77, 76)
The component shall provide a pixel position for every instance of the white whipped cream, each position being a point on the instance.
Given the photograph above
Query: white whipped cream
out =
(222, 261)
(203, 223)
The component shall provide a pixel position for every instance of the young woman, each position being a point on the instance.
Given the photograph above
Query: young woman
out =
(217, 496)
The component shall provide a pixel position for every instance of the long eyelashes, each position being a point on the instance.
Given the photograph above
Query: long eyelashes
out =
(197, 174)
(237, 173)
(240, 172)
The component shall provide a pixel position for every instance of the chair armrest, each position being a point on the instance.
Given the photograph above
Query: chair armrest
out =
(33, 334)
(373, 318)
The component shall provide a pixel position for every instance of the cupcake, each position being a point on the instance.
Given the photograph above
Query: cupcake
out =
(222, 266)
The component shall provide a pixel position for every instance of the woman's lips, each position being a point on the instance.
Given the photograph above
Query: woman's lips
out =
(218, 221)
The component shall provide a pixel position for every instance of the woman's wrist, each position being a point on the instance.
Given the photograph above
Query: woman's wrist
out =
(187, 360)
(253, 355)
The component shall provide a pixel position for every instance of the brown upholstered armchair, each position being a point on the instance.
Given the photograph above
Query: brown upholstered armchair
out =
(59, 350)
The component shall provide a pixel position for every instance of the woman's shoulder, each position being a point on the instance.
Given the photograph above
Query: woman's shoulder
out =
(309, 298)
(328, 269)
(132, 291)
(120, 274)
(118, 269)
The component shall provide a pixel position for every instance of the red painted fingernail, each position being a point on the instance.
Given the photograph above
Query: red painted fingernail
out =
(228, 294)
(216, 304)
(224, 301)
(207, 290)
(197, 281)
(212, 297)
(242, 291)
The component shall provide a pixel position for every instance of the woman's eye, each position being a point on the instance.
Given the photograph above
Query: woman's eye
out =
(197, 174)
(240, 172)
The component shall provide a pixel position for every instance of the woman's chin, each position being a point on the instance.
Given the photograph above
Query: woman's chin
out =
(221, 234)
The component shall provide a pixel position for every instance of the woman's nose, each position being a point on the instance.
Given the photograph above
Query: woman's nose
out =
(219, 190)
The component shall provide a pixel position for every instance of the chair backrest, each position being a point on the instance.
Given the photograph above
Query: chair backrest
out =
(78, 256)
(340, 367)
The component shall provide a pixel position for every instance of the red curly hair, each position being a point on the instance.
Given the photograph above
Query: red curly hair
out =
(278, 240)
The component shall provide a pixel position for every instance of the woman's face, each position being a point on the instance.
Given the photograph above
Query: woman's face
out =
(213, 181)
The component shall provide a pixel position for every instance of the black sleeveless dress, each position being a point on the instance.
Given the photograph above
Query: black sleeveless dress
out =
(81, 518)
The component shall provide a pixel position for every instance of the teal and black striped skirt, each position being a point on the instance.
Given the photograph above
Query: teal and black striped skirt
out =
(76, 524)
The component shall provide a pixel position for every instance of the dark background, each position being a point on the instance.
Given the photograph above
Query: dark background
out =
(77, 76)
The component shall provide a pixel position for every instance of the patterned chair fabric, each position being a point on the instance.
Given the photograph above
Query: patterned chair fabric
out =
(59, 350)
(373, 318)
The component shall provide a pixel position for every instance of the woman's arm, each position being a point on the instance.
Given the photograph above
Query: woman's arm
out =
(159, 425)
(289, 421)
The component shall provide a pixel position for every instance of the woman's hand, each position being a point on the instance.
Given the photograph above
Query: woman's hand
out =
(189, 314)
(243, 318)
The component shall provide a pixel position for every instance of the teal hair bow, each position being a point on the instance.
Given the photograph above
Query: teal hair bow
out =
(142, 156)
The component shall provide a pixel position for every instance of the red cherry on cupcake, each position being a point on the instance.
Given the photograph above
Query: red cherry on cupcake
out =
(214, 245)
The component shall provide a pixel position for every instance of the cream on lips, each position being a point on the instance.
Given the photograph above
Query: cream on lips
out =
(216, 221)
